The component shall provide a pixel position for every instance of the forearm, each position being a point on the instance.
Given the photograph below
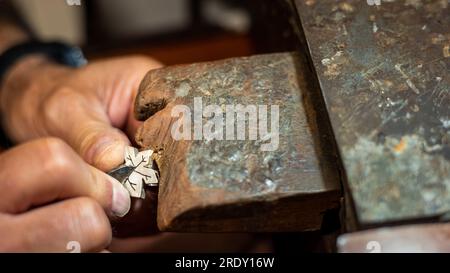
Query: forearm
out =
(12, 31)
(10, 34)
(16, 80)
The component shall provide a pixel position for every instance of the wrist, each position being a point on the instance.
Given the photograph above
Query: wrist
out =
(24, 69)
(28, 73)
(21, 91)
(10, 35)
(22, 73)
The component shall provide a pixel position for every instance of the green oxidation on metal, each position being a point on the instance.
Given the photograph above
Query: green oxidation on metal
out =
(383, 71)
(241, 166)
(406, 167)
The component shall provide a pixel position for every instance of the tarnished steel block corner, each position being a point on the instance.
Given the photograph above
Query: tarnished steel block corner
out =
(235, 185)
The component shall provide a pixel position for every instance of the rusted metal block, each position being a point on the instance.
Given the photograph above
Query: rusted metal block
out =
(236, 185)
(383, 71)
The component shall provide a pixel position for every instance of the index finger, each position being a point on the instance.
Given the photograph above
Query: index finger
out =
(48, 170)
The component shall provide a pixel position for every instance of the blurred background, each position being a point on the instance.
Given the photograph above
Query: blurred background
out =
(173, 31)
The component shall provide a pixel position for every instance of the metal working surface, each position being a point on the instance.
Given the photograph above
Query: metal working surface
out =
(384, 75)
(243, 166)
(231, 183)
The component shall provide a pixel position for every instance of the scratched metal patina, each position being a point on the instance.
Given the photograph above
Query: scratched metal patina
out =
(235, 184)
(384, 74)
(243, 166)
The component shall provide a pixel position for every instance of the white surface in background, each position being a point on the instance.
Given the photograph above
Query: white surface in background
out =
(133, 18)
(54, 19)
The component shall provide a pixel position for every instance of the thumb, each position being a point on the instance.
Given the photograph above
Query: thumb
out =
(85, 126)
(101, 145)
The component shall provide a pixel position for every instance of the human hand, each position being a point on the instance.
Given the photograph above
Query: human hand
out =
(90, 107)
(49, 196)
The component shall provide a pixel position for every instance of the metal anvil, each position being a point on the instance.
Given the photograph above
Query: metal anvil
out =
(383, 74)
(234, 184)
(377, 91)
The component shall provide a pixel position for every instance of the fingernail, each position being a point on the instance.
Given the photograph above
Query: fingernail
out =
(121, 200)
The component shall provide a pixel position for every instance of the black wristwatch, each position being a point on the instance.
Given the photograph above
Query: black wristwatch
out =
(58, 52)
